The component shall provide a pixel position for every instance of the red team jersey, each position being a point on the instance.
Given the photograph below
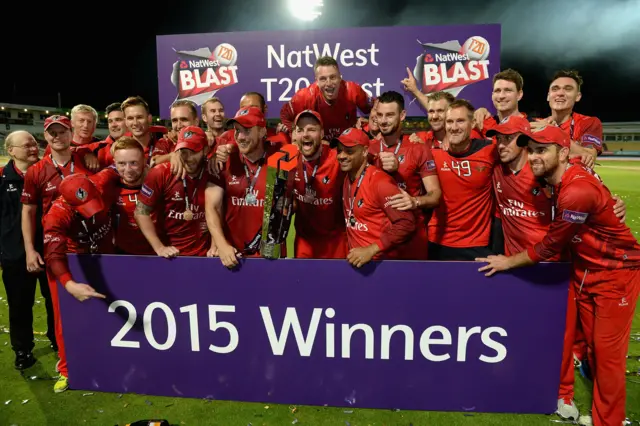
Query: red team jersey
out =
(585, 130)
(375, 221)
(463, 218)
(161, 146)
(415, 163)
(321, 214)
(242, 225)
(337, 116)
(66, 231)
(525, 208)
(166, 194)
(129, 239)
(42, 179)
(584, 220)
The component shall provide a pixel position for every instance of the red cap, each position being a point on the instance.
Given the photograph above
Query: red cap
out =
(248, 117)
(81, 194)
(547, 134)
(308, 112)
(510, 125)
(353, 137)
(57, 119)
(193, 138)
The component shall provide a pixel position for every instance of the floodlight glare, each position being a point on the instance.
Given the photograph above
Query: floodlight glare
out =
(305, 10)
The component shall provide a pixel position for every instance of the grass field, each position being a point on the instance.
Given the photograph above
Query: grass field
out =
(34, 403)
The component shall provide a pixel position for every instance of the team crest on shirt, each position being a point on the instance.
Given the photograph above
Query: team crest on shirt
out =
(401, 158)
(360, 202)
(535, 191)
(326, 180)
(480, 168)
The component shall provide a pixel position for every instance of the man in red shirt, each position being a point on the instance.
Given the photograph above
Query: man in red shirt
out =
(375, 230)
(336, 100)
(460, 227)
(411, 165)
(319, 222)
(139, 119)
(116, 122)
(524, 204)
(606, 263)
(42, 179)
(213, 114)
(84, 119)
(235, 197)
(77, 222)
(507, 93)
(585, 131)
(123, 181)
(178, 202)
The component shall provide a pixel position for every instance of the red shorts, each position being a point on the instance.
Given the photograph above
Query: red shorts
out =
(332, 246)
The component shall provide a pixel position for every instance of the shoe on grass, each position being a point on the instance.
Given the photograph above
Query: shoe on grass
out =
(61, 385)
(567, 409)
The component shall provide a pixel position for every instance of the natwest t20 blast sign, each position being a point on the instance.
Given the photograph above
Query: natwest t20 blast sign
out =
(458, 59)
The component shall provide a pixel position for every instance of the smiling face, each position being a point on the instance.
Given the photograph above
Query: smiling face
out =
(328, 79)
(58, 137)
(138, 120)
(459, 123)
(545, 159)
(351, 158)
(505, 96)
(308, 136)
(130, 165)
(563, 94)
(117, 125)
(508, 150)
(389, 117)
(248, 139)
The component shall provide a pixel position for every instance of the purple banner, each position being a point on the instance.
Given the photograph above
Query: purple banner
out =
(459, 59)
(408, 335)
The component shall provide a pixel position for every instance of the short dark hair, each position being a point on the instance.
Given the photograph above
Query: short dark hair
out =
(390, 97)
(463, 103)
(259, 95)
(186, 103)
(510, 75)
(325, 61)
(116, 106)
(572, 74)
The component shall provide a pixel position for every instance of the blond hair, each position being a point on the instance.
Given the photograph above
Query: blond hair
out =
(126, 142)
(85, 108)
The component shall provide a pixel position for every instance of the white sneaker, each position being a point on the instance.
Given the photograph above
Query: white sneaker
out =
(585, 420)
(576, 362)
(567, 411)
(57, 365)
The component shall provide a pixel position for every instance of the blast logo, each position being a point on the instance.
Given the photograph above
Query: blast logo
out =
(200, 73)
(450, 66)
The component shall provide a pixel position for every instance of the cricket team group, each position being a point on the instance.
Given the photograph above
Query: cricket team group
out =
(503, 190)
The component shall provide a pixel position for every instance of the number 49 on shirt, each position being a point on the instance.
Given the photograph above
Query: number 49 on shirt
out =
(463, 168)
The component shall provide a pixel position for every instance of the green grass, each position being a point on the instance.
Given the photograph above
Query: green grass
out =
(70, 408)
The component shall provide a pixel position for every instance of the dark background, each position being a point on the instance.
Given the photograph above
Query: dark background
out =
(100, 52)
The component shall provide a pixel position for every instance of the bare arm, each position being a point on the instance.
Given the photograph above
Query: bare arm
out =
(34, 260)
(214, 196)
(434, 192)
(142, 215)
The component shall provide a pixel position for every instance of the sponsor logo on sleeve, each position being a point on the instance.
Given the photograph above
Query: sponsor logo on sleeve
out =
(574, 217)
(431, 165)
(146, 191)
(590, 139)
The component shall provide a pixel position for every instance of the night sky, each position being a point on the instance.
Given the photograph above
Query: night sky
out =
(101, 57)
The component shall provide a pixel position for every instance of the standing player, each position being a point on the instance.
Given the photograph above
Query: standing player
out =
(116, 122)
(319, 222)
(179, 203)
(411, 165)
(336, 100)
(19, 282)
(460, 227)
(77, 222)
(235, 197)
(375, 230)
(84, 119)
(213, 115)
(606, 264)
(524, 204)
(507, 92)
(585, 131)
(138, 119)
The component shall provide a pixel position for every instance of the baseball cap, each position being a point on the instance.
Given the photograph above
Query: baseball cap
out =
(193, 138)
(511, 125)
(248, 117)
(353, 137)
(81, 194)
(311, 113)
(57, 119)
(547, 134)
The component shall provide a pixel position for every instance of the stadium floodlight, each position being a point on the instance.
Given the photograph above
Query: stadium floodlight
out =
(305, 10)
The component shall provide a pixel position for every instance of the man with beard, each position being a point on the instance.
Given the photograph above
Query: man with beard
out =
(605, 259)
(19, 282)
(178, 202)
(235, 197)
(435, 104)
(411, 165)
(375, 230)
(78, 222)
(335, 99)
(319, 222)
(460, 227)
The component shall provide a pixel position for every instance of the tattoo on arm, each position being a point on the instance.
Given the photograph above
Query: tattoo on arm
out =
(143, 209)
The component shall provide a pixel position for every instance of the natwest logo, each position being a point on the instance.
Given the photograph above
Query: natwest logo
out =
(445, 57)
